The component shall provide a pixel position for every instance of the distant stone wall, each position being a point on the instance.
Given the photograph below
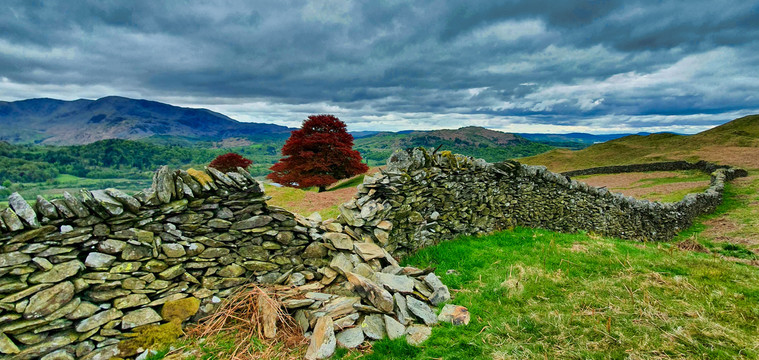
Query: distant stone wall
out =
(703, 166)
(427, 198)
(78, 273)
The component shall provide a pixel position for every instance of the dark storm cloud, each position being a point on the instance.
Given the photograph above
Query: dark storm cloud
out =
(587, 65)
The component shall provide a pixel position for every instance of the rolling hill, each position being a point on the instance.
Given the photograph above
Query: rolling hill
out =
(58, 122)
(734, 143)
(490, 145)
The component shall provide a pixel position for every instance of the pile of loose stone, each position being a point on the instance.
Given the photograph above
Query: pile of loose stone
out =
(365, 295)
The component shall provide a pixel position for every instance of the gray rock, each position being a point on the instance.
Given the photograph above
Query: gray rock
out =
(104, 353)
(99, 260)
(421, 310)
(377, 296)
(350, 338)
(75, 205)
(130, 301)
(14, 258)
(341, 263)
(417, 334)
(49, 300)
(64, 310)
(11, 220)
(7, 346)
(45, 208)
(84, 310)
(98, 320)
(58, 355)
(315, 250)
(42, 263)
(323, 340)
(127, 201)
(163, 185)
(89, 201)
(23, 210)
(111, 246)
(173, 250)
(136, 252)
(63, 209)
(373, 327)
(369, 251)
(223, 178)
(112, 206)
(440, 293)
(339, 240)
(401, 310)
(58, 273)
(394, 328)
(140, 317)
(172, 272)
(252, 222)
(46, 347)
(395, 283)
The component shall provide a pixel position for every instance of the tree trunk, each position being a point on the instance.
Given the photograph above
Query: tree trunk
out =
(322, 188)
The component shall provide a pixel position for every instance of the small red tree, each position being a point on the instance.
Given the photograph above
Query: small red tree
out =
(318, 154)
(229, 162)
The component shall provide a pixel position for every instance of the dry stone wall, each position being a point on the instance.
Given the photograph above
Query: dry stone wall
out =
(78, 274)
(423, 198)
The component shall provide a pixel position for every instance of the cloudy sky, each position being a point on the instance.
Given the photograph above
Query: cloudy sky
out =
(528, 66)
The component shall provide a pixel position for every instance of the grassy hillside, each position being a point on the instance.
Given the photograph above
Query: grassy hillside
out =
(479, 142)
(735, 143)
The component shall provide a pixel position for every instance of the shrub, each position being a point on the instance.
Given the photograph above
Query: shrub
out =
(229, 162)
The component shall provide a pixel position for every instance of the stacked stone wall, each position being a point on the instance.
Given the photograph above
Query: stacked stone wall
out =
(430, 197)
(78, 274)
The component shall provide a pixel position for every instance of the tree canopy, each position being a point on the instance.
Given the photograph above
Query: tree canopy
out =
(318, 154)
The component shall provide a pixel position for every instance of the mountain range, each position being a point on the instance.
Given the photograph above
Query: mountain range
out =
(58, 122)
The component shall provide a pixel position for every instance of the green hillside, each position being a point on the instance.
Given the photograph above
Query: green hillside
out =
(478, 142)
(734, 143)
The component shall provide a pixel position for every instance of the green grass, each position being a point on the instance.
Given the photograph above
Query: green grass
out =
(539, 294)
(350, 183)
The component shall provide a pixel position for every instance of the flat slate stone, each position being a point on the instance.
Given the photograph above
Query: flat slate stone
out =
(140, 317)
(339, 240)
(98, 319)
(58, 273)
(23, 210)
(373, 327)
(395, 283)
(393, 328)
(11, 220)
(421, 310)
(323, 340)
(99, 260)
(49, 300)
(350, 338)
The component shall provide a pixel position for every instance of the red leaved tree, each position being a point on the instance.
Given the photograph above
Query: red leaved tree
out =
(318, 154)
(229, 161)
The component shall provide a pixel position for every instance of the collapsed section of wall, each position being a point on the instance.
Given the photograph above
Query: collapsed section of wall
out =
(423, 198)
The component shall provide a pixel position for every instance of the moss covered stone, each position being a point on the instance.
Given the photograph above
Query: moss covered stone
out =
(180, 310)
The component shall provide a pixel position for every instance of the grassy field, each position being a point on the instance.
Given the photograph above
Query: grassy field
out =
(664, 186)
(735, 143)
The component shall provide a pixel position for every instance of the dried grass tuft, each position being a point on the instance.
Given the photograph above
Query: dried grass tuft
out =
(691, 245)
(239, 318)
